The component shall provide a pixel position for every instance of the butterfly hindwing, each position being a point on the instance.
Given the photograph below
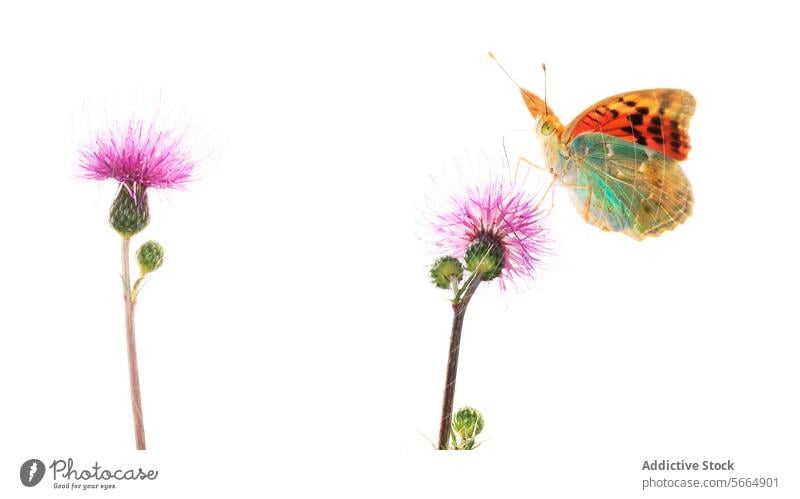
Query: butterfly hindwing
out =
(626, 187)
(656, 118)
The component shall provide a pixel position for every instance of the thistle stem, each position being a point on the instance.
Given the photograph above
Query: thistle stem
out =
(459, 309)
(130, 335)
(137, 286)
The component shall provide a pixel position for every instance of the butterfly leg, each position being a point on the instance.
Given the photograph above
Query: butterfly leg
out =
(575, 186)
(544, 195)
(553, 192)
(529, 163)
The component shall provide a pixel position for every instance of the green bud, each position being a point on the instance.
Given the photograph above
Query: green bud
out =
(150, 256)
(129, 216)
(486, 256)
(468, 423)
(444, 270)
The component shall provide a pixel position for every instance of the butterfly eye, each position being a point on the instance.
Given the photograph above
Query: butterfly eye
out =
(547, 128)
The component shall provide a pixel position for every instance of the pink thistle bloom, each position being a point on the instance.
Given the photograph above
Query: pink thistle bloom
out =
(500, 213)
(137, 155)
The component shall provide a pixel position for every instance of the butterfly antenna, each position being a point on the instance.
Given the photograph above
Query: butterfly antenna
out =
(504, 69)
(544, 70)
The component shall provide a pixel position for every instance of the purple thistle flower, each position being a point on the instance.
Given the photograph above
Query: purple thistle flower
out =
(499, 213)
(137, 155)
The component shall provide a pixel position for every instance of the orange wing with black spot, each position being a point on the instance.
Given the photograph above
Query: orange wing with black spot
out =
(656, 118)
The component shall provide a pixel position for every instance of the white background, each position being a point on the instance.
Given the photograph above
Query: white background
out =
(291, 346)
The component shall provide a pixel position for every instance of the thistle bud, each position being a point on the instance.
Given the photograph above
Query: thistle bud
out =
(445, 270)
(130, 212)
(468, 423)
(486, 256)
(150, 256)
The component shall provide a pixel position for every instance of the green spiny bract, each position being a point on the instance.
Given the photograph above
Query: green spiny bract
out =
(130, 212)
(150, 256)
(486, 256)
(445, 270)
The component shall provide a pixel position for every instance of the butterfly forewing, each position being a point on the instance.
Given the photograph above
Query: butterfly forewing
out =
(656, 118)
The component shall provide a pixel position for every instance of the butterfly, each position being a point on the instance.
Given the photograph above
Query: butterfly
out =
(620, 158)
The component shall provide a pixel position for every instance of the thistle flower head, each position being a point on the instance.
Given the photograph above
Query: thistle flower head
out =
(137, 154)
(497, 228)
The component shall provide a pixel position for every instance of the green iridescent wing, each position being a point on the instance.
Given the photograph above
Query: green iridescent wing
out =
(626, 187)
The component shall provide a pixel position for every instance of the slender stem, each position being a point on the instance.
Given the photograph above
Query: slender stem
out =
(137, 286)
(459, 309)
(130, 335)
(460, 292)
